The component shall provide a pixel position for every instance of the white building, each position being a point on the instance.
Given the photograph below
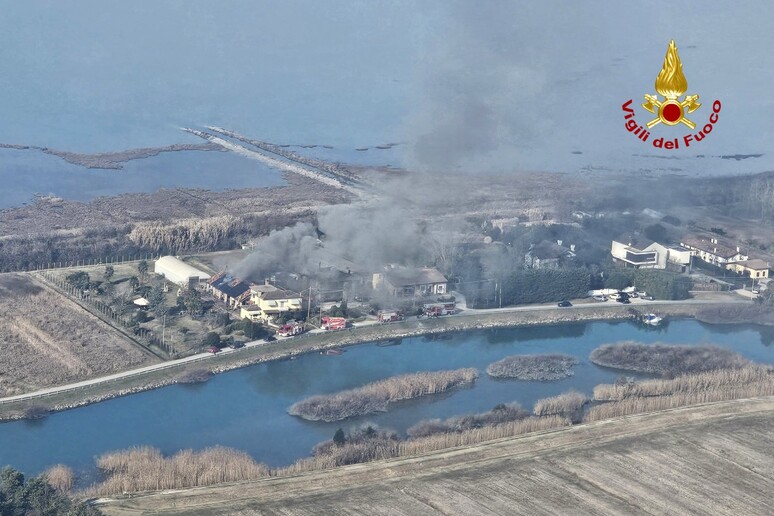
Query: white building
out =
(652, 256)
(179, 272)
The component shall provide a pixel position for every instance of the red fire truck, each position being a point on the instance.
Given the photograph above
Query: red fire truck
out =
(388, 316)
(334, 323)
(291, 329)
(439, 309)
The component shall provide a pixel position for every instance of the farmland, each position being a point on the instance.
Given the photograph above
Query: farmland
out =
(714, 458)
(49, 340)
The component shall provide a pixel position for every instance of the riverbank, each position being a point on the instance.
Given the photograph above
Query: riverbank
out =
(310, 343)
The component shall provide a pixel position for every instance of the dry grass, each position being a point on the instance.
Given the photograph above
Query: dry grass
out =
(652, 395)
(145, 469)
(666, 359)
(376, 396)
(386, 447)
(49, 340)
(533, 367)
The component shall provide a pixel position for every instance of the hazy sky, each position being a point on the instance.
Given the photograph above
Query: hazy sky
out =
(480, 86)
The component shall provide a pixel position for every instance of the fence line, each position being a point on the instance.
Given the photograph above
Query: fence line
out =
(91, 262)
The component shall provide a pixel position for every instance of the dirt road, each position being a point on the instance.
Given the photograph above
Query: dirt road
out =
(711, 459)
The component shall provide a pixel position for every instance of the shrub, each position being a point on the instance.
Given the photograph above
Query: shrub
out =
(211, 339)
(570, 404)
(666, 359)
(533, 367)
(500, 414)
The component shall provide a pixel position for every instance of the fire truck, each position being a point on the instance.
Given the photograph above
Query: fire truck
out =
(291, 329)
(439, 309)
(388, 316)
(334, 323)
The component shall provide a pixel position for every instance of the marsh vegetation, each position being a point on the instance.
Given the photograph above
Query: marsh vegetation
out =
(533, 367)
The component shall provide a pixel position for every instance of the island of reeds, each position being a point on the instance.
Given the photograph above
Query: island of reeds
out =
(376, 396)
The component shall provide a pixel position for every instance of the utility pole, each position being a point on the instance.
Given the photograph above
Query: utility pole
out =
(309, 303)
(163, 328)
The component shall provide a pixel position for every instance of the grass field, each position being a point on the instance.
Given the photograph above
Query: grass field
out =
(49, 340)
(709, 459)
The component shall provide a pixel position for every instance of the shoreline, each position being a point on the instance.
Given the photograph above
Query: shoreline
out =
(313, 343)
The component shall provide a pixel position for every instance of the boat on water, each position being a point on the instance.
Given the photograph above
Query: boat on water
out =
(652, 319)
(332, 351)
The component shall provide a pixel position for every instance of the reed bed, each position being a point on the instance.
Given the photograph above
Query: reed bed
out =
(146, 469)
(666, 359)
(60, 477)
(502, 413)
(376, 396)
(642, 405)
(687, 384)
(569, 404)
(533, 367)
(650, 395)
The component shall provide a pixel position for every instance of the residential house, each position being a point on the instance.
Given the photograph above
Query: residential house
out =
(252, 312)
(549, 255)
(232, 291)
(648, 254)
(274, 301)
(410, 282)
(753, 268)
(713, 251)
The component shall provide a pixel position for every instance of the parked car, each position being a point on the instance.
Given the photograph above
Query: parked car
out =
(599, 298)
(615, 296)
(623, 298)
(756, 290)
(236, 345)
(563, 304)
(648, 298)
(214, 349)
(270, 338)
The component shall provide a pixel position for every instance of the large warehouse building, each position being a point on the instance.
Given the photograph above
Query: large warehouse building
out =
(179, 272)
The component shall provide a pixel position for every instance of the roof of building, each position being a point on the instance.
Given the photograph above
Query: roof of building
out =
(547, 250)
(141, 301)
(177, 270)
(707, 245)
(229, 285)
(405, 277)
(280, 294)
(251, 308)
(754, 264)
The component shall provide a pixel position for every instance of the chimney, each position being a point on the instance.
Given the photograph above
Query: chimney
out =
(572, 247)
(737, 249)
(558, 242)
(266, 281)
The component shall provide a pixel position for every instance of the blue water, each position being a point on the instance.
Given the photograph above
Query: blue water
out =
(246, 408)
(25, 173)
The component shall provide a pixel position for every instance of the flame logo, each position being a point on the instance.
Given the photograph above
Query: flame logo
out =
(671, 83)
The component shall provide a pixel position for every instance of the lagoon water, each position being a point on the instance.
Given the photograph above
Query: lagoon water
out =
(25, 173)
(246, 408)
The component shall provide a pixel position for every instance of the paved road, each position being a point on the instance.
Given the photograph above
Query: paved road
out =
(468, 312)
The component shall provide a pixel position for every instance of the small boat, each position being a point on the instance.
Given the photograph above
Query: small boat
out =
(333, 351)
(652, 319)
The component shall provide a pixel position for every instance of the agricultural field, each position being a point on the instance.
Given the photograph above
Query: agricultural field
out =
(47, 339)
(709, 459)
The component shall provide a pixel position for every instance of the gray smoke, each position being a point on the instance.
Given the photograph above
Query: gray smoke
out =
(392, 228)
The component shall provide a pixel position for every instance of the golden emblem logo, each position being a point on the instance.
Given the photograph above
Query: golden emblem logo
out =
(671, 84)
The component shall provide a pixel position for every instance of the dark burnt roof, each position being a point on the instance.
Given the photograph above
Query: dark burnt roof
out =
(229, 285)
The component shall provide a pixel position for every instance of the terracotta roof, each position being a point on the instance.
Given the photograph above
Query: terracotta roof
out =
(706, 245)
(754, 263)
